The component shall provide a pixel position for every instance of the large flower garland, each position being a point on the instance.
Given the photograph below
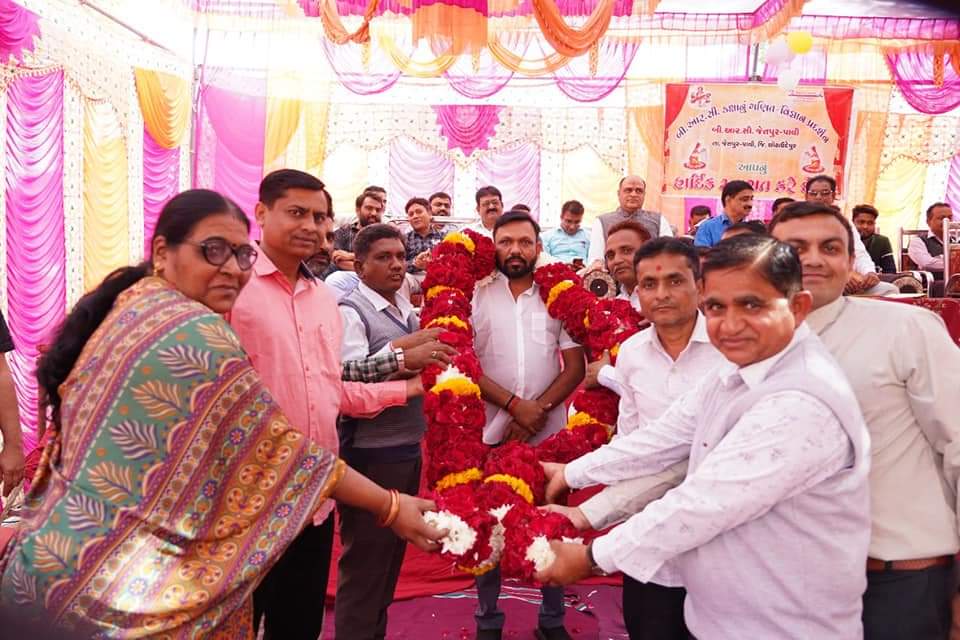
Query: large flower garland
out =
(487, 497)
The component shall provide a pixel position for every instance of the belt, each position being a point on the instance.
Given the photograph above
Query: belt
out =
(915, 564)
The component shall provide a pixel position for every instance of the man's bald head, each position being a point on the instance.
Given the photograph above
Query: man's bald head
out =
(631, 193)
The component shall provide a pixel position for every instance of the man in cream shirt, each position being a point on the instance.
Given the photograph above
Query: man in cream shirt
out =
(654, 368)
(905, 372)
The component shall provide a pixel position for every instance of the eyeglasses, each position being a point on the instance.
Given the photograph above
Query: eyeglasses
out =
(820, 194)
(217, 251)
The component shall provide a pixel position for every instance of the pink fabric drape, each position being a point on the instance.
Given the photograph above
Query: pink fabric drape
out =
(582, 83)
(515, 170)
(468, 127)
(36, 257)
(850, 27)
(161, 181)
(912, 70)
(18, 26)
(378, 75)
(417, 172)
(234, 147)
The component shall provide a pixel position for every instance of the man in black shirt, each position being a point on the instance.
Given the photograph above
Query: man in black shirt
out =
(878, 246)
(11, 456)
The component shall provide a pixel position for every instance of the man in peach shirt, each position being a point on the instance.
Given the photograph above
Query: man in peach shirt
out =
(288, 323)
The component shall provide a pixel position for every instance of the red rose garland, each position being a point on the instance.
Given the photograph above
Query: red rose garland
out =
(486, 498)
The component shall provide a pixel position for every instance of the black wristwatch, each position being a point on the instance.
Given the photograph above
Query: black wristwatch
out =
(594, 567)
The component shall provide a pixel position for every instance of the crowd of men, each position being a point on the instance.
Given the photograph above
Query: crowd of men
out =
(787, 457)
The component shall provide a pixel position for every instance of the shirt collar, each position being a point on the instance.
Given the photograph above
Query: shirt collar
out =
(264, 266)
(930, 234)
(499, 275)
(380, 303)
(699, 334)
(753, 374)
(819, 319)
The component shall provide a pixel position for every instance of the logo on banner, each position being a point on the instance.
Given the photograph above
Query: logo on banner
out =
(700, 98)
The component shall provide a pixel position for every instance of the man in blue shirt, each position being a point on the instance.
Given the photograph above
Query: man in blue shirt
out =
(569, 242)
(737, 201)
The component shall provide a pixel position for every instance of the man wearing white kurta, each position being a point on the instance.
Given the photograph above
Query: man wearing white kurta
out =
(905, 371)
(769, 530)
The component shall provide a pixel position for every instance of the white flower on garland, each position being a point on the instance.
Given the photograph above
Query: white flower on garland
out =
(451, 373)
(540, 553)
(460, 536)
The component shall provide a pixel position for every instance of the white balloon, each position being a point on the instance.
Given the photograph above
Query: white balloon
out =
(778, 52)
(789, 79)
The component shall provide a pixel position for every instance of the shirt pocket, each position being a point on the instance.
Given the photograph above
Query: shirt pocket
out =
(540, 325)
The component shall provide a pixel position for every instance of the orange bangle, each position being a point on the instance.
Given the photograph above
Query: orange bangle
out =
(392, 512)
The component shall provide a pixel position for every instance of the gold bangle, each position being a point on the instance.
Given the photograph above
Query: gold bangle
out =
(394, 510)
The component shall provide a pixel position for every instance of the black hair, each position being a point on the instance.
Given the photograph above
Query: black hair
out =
(780, 201)
(777, 262)
(799, 210)
(572, 206)
(520, 207)
(515, 216)
(482, 192)
(375, 189)
(439, 194)
(413, 201)
(630, 225)
(732, 188)
(700, 210)
(367, 194)
(177, 220)
(370, 234)
(669, 246)
(869, 210)
(934, 206)
(821, 178)
(276, 183)
(750, 226)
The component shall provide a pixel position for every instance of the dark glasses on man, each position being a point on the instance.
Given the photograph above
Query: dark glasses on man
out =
(217, 251)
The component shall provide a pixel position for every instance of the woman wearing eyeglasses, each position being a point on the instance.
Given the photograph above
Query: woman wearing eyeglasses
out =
(172, 482)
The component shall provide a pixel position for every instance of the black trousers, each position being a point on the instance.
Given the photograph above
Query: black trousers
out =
(369, 564)
(908, 605)
(652, 611)
(293, 593)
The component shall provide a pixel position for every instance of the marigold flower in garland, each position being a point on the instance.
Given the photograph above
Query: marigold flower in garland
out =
(569, 444)
(549, 275)
(463, 239)
(516, 465)
(466, 361)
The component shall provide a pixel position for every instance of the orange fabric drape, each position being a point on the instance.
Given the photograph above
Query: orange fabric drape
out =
(333, 26)
(565, 39)
(165, 103)
(462, 30)
(648, 124)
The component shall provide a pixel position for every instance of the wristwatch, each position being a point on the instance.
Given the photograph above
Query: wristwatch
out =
(594, 567)
(399, 354)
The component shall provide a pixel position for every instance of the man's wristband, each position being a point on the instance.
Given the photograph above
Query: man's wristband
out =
(400, 362)
(513, 397)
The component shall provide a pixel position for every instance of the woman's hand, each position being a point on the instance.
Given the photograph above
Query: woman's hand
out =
(410, 525)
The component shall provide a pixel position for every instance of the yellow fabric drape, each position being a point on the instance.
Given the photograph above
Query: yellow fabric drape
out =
(106, 243)
(900, 196)
(521, 65)
(585, 177)
(165, 103)
(345, 173)
(646, 123)
(411, 67)
(316, 115)
(333, 26)
(865, 157)
(283, 118)
(565, 39)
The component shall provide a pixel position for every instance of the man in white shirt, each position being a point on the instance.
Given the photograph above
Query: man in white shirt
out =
(489, 208)
(927, 251)
(623, 240)
(520, 348)
(654, 368)
(631, 192)
(905, 372)
(863, 277)
(769, 530)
